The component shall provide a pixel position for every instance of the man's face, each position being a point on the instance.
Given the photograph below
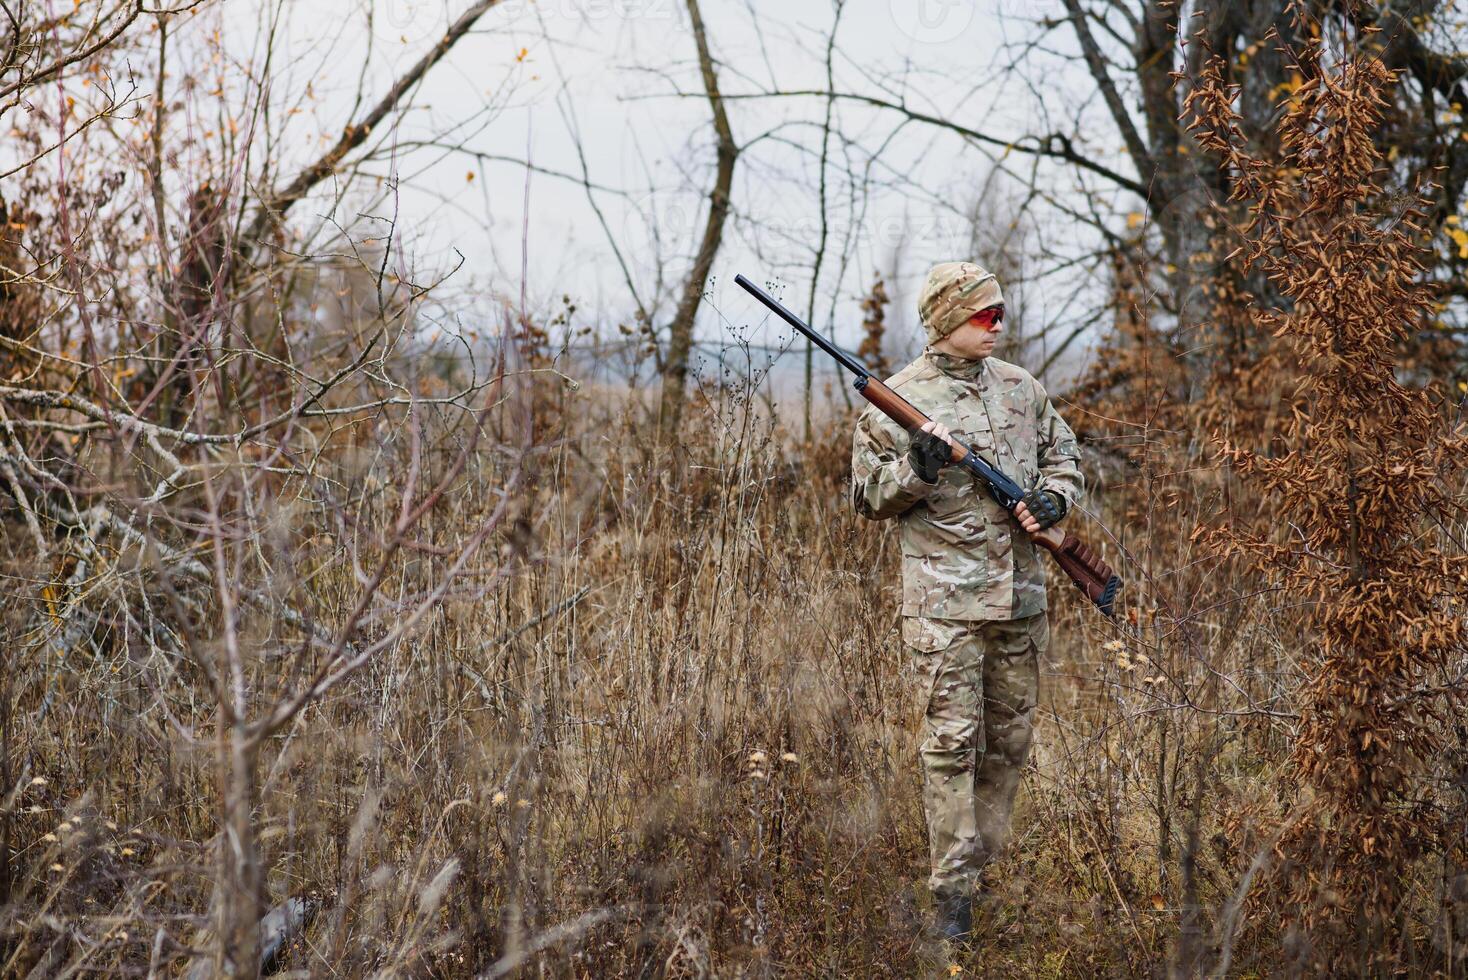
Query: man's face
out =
(977, 337)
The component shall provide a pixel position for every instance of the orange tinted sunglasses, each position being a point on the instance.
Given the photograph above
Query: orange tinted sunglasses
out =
(990, 317)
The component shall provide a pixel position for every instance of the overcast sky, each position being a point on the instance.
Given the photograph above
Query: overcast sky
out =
(615, 72)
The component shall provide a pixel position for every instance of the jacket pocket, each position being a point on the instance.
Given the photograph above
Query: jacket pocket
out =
(1039, 630)
(925, 635)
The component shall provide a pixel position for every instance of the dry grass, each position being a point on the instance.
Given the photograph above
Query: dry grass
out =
(704, 765)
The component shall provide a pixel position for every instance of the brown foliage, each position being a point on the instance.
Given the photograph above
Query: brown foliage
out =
(1360, 497)
(874, 329)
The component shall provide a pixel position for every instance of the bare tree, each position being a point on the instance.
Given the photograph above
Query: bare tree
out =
(680, 331)
(1144, 59)
(180, 436)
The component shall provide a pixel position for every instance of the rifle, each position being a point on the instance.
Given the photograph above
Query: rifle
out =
(1084, 567)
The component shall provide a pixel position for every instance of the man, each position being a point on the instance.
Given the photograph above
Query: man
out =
(973, 588)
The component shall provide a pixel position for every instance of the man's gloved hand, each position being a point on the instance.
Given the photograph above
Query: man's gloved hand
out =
(928, 453)
(1046, 507)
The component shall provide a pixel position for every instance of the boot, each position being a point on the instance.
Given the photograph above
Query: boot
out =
(953, 915)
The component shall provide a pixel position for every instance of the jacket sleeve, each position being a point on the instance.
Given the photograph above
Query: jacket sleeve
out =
(1059, 456)
(883, 482)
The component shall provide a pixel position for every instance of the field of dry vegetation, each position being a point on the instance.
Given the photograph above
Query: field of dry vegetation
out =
(338, 644)
(678, 741)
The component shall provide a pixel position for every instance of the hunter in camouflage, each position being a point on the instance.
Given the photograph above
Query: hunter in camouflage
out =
(973, 586)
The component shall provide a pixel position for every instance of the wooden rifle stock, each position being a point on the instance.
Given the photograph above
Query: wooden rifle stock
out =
(1084, 567)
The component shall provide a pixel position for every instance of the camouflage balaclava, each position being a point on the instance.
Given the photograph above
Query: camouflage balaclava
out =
(954, 292)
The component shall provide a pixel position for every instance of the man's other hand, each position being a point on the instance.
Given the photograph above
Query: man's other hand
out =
(931, 449)
(1049, 509)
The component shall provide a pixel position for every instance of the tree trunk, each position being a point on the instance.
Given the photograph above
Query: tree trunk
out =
(680, 333)
(240, 880)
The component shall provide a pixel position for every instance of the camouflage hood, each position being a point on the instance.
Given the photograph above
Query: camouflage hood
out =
(954, 292)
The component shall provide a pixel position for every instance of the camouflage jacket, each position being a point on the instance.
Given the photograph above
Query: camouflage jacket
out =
(964, 556)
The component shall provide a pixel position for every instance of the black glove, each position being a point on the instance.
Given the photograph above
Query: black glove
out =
(928, 454)
(1046, 506)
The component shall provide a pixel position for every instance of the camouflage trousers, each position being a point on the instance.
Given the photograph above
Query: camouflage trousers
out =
(981, 681)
